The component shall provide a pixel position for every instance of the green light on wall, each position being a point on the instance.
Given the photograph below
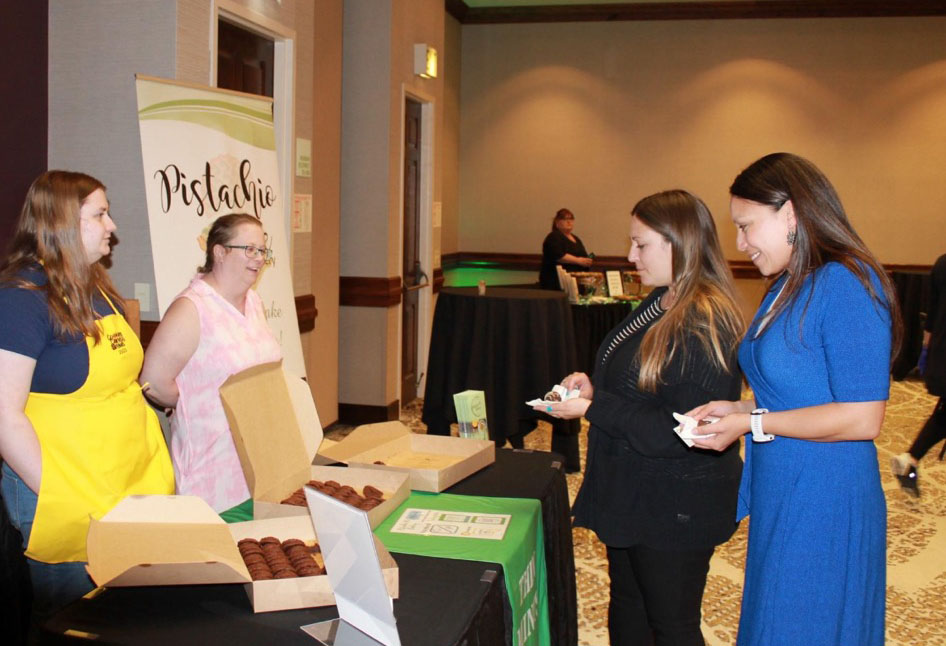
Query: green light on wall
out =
(470, 276)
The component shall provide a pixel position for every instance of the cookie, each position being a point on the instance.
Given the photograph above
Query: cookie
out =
(372, 492)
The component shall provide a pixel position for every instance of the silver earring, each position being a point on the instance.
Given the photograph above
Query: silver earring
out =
(792, 236)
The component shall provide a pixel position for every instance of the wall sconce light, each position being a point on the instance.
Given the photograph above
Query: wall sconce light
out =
(425, 61)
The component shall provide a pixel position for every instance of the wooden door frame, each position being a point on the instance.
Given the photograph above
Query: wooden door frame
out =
(284, 73)
(425, 198)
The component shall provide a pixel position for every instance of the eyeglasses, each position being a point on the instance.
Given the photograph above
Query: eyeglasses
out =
(252, 251)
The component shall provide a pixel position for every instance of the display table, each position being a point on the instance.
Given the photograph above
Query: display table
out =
(442, 601)
(511, 343)
(537, 474)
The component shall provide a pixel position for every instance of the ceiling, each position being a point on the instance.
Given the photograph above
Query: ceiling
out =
(539, 3)
(522, 11)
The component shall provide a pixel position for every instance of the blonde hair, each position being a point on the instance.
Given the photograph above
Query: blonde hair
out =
(47, 233)
(704, 303)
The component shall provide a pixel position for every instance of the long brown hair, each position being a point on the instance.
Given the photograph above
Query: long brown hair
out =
(47, 233)
(704, 303)
(823, 232)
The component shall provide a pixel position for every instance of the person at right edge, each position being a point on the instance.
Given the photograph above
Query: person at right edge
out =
(932, 366)
(817, 356)
(660, 507)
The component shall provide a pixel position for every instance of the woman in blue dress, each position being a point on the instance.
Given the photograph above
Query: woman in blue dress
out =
(817, 356)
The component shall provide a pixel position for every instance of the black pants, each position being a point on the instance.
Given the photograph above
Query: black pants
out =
(16, 593)
(656, 596)
(932, 432)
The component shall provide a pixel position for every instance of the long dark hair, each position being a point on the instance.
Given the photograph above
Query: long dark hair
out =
(47, 233)
(704, 304)
(823, 232)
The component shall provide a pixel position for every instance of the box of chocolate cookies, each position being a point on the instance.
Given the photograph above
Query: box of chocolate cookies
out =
(377, 492)
(285, 563)
(180, 540)
(277, 433)
(433, 462)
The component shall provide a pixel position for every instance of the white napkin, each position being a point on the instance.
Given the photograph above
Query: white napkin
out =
(558, 388)
(684, 429)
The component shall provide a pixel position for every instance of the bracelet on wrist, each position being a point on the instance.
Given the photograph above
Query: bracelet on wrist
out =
(755, 425)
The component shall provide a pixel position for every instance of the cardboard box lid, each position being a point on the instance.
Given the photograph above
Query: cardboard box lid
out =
(363, 438)
(263, 418)
(162, 540)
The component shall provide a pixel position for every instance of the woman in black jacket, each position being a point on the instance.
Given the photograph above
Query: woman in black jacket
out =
(659, 506)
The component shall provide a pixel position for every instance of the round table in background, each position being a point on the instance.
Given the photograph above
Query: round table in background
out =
(511, 343)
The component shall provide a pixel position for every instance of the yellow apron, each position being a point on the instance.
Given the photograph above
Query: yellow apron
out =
(99, 444)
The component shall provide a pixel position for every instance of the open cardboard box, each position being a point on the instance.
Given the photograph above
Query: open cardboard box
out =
(180, 540)
(303, 592)
(276, 448)
(434, 462)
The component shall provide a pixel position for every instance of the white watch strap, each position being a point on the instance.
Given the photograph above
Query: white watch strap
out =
(755, 425)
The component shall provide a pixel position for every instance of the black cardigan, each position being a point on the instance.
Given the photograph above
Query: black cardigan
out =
(642, 484)
(556, 245)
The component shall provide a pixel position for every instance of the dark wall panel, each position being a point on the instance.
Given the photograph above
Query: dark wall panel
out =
(23, 88)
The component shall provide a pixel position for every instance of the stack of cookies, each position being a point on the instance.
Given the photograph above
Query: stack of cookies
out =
(270, 558)
(370, 497)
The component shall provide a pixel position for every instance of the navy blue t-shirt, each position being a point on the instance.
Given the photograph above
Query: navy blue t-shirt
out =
(26, 328)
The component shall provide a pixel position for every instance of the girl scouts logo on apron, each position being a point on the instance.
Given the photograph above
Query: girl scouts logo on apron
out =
(118, 342)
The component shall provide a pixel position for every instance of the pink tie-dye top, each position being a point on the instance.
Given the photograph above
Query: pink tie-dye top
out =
(205, 460)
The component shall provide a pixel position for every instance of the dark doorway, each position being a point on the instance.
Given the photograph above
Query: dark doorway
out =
(245, 60)
(414, 277)
(23, 85)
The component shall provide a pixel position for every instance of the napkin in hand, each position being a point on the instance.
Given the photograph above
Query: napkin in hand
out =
(684, 429)
(564, 396)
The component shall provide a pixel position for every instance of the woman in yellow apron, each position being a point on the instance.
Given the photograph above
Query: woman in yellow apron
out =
(76, 435)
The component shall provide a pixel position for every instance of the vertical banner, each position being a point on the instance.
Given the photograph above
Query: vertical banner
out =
(206, 153)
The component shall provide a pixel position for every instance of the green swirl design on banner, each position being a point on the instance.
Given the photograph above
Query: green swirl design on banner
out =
(239, 122)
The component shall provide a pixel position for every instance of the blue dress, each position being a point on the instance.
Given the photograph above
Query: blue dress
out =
(816, 564)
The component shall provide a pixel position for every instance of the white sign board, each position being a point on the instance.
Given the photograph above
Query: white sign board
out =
(207, 153)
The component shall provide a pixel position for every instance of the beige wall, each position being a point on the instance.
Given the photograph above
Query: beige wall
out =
(326, 88)
(378, 74)
(317, 111)
(594, 116)
(452, 73)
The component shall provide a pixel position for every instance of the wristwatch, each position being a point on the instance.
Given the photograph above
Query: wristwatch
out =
(755, 425)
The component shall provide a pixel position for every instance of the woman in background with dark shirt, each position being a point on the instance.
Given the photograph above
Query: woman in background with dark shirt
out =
(562, 247)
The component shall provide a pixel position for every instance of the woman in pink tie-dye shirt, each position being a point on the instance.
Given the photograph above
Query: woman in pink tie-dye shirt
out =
(213, 329)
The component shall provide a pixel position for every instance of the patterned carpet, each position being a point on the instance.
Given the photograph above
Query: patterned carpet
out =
(916, 542)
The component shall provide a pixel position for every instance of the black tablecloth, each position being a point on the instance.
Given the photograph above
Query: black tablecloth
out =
(442, 602)
(591, 324)
(537, 474)
(913, 294)
(513, 344)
